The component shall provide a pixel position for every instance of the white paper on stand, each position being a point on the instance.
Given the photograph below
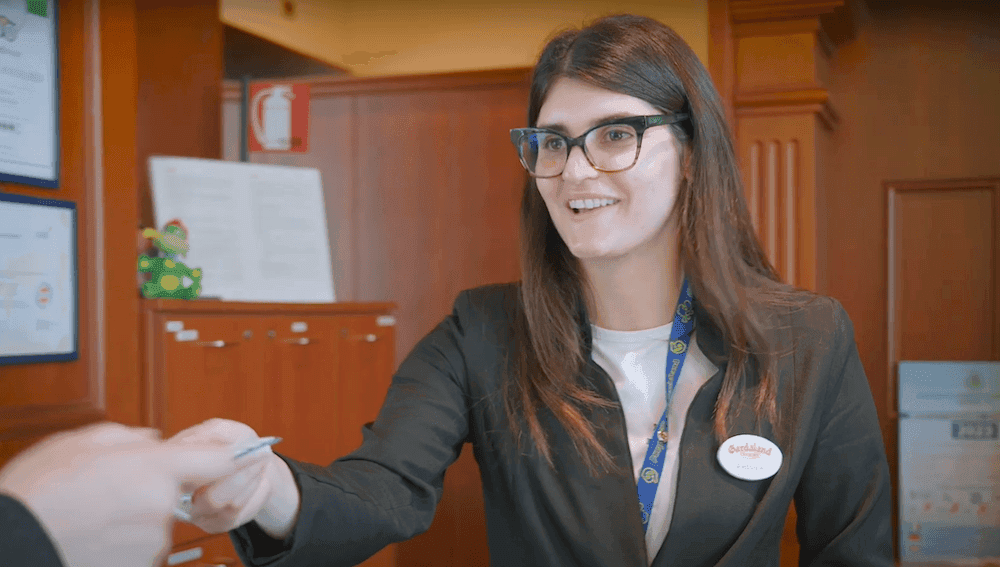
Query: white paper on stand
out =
(258, 232)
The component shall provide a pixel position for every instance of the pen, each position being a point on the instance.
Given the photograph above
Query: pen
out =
(260, 444)
(182, 511)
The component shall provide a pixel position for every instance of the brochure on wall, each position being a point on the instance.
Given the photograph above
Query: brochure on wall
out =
(29, 87)
(38, 286)
(949, 463)
(257, 232)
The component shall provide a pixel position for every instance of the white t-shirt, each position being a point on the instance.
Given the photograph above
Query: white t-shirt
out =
(636, 362)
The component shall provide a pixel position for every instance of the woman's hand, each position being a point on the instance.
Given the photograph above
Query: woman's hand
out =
(262, 488)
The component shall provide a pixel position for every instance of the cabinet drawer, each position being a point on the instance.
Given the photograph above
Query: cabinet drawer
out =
(214, 551)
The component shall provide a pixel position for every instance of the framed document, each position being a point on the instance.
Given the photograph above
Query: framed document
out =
(29, 92)
(39, 297)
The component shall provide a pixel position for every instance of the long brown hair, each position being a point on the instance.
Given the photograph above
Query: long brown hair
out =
(731, 278)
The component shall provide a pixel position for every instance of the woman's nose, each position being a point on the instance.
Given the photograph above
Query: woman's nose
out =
(577, 165)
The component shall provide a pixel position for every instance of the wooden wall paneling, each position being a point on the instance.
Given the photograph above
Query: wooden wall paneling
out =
(399, 217)
(120, 103)
(484, 182)
(782, 114)
(180, 52)
(40, 398)
(944, 272)
(780, 159)
(721, 54)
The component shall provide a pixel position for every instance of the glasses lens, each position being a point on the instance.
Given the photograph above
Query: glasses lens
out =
(543, 154)
(612, 147)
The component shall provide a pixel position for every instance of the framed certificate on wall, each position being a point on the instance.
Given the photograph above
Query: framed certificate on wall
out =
(39, 298)
(29, 92)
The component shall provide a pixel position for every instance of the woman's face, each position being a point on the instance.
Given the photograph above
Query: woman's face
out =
(637, 220)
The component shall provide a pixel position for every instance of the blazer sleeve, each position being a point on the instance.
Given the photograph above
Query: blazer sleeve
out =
(844, 499)
(387, 490)
(24, 540)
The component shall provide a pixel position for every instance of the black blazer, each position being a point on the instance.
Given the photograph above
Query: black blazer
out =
(447, 393)
(24, 540)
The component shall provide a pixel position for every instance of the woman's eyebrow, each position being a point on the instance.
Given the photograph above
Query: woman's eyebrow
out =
(562, 129)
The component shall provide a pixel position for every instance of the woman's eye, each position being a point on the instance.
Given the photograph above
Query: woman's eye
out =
(618, 134)
(554, 143)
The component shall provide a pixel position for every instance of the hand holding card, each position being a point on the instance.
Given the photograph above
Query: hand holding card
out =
(234, 500)
(183, 510)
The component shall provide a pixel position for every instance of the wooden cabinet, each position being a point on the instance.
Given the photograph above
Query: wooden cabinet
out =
(311, 374)
(213, 551)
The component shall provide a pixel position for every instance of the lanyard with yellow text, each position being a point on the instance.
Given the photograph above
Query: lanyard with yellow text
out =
(652, 467)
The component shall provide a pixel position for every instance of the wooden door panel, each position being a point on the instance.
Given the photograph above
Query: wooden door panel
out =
(944, 272)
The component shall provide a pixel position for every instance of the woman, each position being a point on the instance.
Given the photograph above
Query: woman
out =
(561, 383)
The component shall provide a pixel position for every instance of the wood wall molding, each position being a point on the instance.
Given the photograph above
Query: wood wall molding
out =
(337, 86)
(773, 59)
(777, 10)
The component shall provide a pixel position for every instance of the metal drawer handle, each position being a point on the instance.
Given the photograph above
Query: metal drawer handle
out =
(370, 337)
(214, 344)
(298, 341)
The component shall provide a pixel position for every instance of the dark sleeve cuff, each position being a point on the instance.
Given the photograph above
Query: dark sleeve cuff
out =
(24, 541)
(255, 547)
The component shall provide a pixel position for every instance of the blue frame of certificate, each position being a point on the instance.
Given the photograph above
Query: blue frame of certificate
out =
(74, 353)
(53, 182)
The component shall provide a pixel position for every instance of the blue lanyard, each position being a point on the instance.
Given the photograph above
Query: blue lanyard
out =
(652, 466)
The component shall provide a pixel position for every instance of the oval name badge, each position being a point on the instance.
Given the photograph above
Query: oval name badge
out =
(749, 457)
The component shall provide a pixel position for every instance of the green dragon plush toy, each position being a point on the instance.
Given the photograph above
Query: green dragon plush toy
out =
(171, 277)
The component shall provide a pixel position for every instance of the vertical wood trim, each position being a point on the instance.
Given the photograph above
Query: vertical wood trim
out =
(791, 226)
(119, 96)
(771, 210)
(721, 54)
(94, 191)
(755, 184)
(996, 270)
(892, 325)
(356, 200)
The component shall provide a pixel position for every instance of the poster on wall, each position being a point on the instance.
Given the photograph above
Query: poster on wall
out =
(38, 281)
(949, 463)
(279, 118)
(29, 92)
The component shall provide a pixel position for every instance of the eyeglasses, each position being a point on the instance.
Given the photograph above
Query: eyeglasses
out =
(609, 147)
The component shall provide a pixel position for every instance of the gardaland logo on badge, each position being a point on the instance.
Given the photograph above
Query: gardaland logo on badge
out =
(749, 457)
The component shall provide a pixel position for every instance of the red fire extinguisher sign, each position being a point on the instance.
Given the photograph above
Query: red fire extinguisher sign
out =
(279, 117)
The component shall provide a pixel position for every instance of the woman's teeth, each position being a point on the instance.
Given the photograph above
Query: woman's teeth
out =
(586, 204)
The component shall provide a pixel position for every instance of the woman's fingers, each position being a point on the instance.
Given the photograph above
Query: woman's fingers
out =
(222, 494)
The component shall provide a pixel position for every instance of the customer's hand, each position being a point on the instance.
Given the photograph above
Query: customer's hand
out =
(105, 493)
(261, 489)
